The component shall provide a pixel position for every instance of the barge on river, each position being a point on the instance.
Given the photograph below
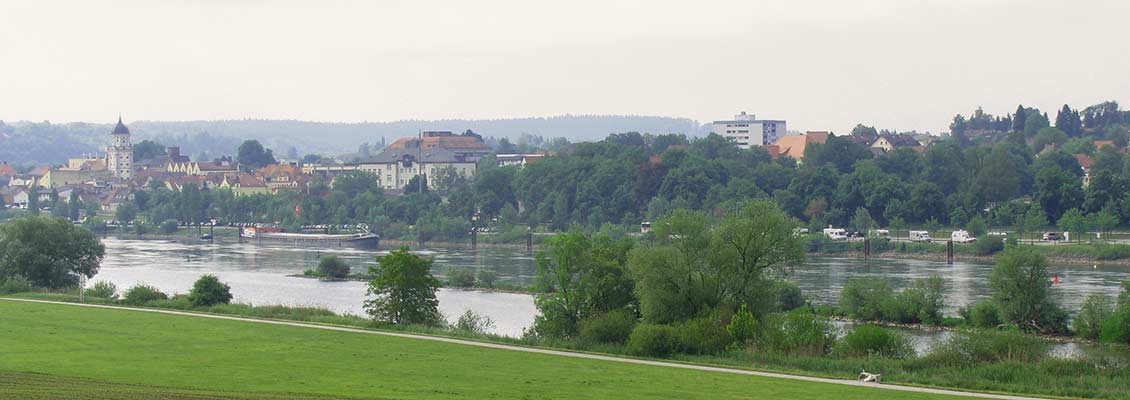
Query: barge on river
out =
(367, 240)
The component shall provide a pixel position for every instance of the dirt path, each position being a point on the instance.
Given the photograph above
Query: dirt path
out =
(561, 353)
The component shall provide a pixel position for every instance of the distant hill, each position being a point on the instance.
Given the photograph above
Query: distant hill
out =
(43, 142)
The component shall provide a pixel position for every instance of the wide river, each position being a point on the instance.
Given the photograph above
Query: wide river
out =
(259, 274)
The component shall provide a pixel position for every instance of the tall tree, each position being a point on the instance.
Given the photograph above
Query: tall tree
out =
(252, 155)
(403, 290)
(49, 252)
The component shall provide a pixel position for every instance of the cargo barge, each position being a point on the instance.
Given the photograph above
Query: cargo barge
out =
(367, 240)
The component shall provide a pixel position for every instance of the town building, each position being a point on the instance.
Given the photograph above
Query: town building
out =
(119, 155)
(889, 142)
(794, 145)
(507, 160)
(746, 131)
(407, 158)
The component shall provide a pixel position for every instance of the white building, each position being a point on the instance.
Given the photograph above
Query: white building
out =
(119, 155)
(747, 131)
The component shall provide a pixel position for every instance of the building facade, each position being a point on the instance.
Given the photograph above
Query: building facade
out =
(746, 131)
(119, 155)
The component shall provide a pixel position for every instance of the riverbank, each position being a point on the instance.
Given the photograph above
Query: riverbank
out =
(343, 364)
(501, 287)
(1054, 255)
(387, 244)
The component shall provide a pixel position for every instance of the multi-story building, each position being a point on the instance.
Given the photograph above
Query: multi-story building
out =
(746, 131)
(119, 155)
(407, 158)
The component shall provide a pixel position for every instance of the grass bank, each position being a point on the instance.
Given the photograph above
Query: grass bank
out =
(168, 353)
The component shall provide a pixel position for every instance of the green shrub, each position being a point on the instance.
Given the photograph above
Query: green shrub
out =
(789, 296)
(984, 314)
(103, 290)
(921, 303)
(863, 297)
(610, 327)
(988, 245)
(473, 323)
(209, 291)
(702, 336)
(977, 227)
(141, 294)
(15, 284)
(989, 347)
(332, 267)
(743, 326)
(460, 277)
(797, 334)
(169, 226)
(1116, 328)
(486, 278)
(652, 340)
(1096, 309)
(1109, 252)
(871, 340)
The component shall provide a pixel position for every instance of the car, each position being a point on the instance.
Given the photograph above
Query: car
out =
(1051, 236)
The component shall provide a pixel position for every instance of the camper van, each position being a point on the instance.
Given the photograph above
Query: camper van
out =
(961, 236)
(835, 233)
(920, 236)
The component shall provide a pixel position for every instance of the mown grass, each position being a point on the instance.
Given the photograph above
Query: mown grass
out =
(167, 351)
(27, 386)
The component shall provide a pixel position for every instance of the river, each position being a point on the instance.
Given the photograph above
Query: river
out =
(258, 274)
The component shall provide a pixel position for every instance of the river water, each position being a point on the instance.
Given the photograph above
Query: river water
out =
(258, 274)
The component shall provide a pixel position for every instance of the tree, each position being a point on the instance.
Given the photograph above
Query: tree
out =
(1020, 290)
(75, 205)
(209, 291)
(1104, 221)
(147, 150)
(861, 220)
(404, 290)
(1034, 122)
(49, 252)
(252, 155)
(1073, 221)
(126, 212)
(1057, 191)
(1068, 120)
(333, 267)
(977, 226)
(1034, 220)
(583, 278)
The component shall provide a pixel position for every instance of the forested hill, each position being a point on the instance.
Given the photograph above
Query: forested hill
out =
(43, 142)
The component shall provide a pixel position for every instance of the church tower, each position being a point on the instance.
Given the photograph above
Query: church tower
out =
(119, 155)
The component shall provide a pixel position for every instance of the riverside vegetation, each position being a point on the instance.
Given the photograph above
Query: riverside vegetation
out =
(711, 288)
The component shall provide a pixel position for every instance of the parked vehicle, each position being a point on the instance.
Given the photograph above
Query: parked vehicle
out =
(1051, 236)
(920, 236)
(962, 236)
(835, 233)
(881, 234)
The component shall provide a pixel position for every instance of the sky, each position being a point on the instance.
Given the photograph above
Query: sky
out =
(820, 65)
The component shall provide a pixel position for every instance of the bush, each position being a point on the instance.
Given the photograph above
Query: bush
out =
(702, 336)
(984, 314)
(486, 278)
(1109, 252)
(473, 323)
(652, 340)
(921, 303)
(742, 327)
(863, 297)
(610, 327)
(103, 290)
(977, 227)
(989, 346)
(797, 334)
(460, 277)
(15, 284)
(1096, 309)
(988, 245)
(209, 291)
(1116, 328)
(332, 267)
(871, 340)
(169, 226)
(141, 294)
(789, 296)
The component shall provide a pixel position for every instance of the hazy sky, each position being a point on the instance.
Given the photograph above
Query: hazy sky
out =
(822, 65)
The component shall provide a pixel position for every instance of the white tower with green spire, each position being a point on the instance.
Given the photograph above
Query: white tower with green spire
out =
(119, 155)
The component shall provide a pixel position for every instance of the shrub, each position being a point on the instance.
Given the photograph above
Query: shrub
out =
(652, 340)
(610, 327)
(989, 346)
(1116, 328)
(789, 296)
(742, 327)
(863, 297)
(15, 284)
(169, 226)
(473, 323)
(460, 277)
(984, 314)
(486, 278)
(103, 289)
(702, 336)
(332, 267)
(209, 291)
(988, 245)
(922, 302)
(1108, 252)
(977, 227)
(141, 294)
(871, 340)
(1096, 309)
(797, 334)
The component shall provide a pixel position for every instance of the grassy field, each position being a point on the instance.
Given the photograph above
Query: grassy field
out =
(59, 352)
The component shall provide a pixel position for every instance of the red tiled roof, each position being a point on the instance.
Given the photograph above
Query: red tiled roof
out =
(1085, 161)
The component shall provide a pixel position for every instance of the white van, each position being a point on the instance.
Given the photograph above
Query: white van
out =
(920, 236)
(961, 236)
(835, 233)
